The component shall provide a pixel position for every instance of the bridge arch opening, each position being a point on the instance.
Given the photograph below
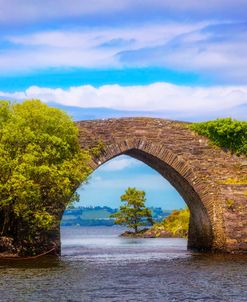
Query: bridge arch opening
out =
(200, 230)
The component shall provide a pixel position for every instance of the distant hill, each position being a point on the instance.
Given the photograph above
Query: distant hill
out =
(96, 216)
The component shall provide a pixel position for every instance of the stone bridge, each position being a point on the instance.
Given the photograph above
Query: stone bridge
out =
(208, 178)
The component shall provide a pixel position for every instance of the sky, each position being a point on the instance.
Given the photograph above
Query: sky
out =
(109, 182)
(173, 59)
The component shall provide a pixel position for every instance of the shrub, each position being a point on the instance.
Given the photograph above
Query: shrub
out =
(225, 133)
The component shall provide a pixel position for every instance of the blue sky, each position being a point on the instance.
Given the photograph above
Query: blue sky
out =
(177, 60)
(97, 59)
(108, 183)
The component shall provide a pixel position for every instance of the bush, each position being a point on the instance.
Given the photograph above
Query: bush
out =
(225, 133)
(174, 225)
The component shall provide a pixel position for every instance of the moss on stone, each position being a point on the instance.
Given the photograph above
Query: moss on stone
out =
(235, 181)
(97, 150)
(230, 203)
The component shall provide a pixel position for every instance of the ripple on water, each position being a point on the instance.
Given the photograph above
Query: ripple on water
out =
(118, 270)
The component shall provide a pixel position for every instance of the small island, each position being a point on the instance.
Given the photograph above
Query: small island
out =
(135, 215)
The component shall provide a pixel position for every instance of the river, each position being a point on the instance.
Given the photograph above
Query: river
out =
(97, 265)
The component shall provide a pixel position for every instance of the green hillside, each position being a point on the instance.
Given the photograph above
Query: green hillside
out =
(94, 216)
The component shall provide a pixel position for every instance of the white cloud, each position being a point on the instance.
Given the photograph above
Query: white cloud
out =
(140, 181)
(211, 48)
(217, 50)
(87, 47)
(120, 164)
(155, 97)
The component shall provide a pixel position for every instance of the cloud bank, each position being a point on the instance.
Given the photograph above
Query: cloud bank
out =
(155, 97)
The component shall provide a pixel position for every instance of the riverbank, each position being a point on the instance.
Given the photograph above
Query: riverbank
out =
(152, 233)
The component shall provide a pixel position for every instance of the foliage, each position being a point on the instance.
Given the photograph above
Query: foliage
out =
(226, 133)
(133, 213)
(41, 165)
(174, 225)
(98, 149)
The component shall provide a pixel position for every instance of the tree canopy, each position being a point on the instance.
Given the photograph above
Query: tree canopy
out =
(41, 165)
(133, 213)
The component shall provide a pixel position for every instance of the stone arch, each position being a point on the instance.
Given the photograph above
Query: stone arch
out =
(209, 179)
(180, 175)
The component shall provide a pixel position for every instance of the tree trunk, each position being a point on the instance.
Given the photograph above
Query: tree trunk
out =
(136, 229)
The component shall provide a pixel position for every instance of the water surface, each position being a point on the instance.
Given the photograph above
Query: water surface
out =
(97, 265)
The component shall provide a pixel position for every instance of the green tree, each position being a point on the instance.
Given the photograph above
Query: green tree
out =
(41, 166)
(133, 213)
